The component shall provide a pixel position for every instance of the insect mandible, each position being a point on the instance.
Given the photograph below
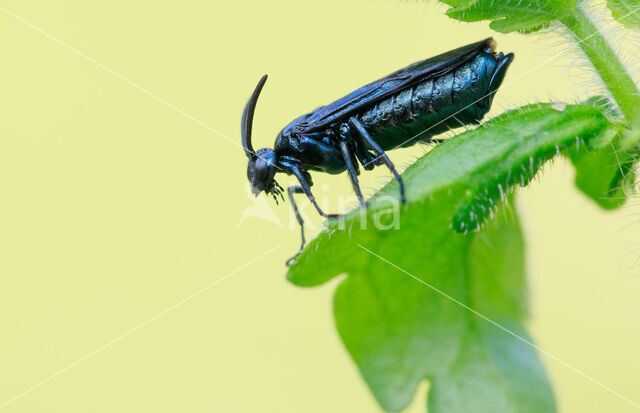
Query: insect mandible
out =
(408, 106)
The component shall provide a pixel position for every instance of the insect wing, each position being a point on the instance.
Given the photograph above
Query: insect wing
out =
(376, 91)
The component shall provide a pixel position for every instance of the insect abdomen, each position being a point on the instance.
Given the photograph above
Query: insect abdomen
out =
(433, 106)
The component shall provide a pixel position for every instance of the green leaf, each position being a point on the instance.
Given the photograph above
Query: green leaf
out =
(605, 172)
(605, 175)
(508, 15)
(626, 12)
(398, 329)
(494, 370)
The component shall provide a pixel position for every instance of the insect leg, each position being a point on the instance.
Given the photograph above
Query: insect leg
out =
(379, 152)
(366, 158)
(346, 154)
(296, 190)
(307, 191)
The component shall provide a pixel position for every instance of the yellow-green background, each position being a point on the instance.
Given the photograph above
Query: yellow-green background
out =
(114, 207)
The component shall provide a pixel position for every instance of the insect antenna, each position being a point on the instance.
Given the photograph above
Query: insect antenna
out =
(247, 119)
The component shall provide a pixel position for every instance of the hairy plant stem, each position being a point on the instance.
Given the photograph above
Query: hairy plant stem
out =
(613, 74)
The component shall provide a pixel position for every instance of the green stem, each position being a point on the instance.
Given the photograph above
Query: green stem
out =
(613, 74)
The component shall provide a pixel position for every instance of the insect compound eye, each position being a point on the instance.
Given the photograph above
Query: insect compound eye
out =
(261, 169)
(264, 168)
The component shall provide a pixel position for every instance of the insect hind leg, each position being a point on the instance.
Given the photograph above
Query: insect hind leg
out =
(377, 149)
(367, 159)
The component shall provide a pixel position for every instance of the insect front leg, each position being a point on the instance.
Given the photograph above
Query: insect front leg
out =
(307, 191)
(348, 160)
(355, 123)
(296, 190)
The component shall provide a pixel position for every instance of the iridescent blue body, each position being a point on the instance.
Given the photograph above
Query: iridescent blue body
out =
(432, 106)
(408, 106)
(399, 110)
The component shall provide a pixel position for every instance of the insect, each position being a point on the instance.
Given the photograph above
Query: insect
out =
(408, 106)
